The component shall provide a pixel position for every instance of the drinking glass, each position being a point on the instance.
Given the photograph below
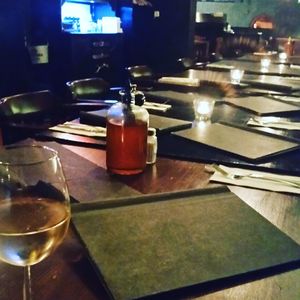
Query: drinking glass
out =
(265, 62)
(203, 108)
(236, 75)
(34, 206)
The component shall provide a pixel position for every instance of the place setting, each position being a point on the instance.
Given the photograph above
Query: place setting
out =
(274, 122)
(254, 178)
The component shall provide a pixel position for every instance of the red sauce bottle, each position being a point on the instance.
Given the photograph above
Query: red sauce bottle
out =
(126, 137)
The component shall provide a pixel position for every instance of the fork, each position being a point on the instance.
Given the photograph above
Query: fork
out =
(256, 176)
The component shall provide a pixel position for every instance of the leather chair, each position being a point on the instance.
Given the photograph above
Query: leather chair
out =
(237, 46)
(28, 105)
(185, 63)
(88, 89)
(24, 115)
(142, 76)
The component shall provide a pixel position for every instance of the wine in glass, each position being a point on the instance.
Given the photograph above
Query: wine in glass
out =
(34, 206)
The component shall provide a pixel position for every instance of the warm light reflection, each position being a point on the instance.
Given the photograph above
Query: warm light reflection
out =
(265, 62)
(281, 67)
(236, 75)
(201, 124)
(282, 56)
(203, 109)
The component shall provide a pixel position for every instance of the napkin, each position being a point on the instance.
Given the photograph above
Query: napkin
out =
(220, 66)
(80, 129)
(265, 53)
(294, 66)
(157, 106)
(273, 122)
(259, 183)
(180, 81)
(287, 98)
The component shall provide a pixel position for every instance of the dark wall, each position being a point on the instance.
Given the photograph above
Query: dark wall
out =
(25, 23)
(163, 32)
(159, 41)
(14, 59)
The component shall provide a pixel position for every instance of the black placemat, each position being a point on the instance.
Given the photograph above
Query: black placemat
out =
(162, 124)
(166, 95)
(262, 105)
(159, 243)
(243, 142)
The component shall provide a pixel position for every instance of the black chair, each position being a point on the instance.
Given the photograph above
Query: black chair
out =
(185, 63)
(237, 46)
(141, 75)
(91, 90)
(25, 115)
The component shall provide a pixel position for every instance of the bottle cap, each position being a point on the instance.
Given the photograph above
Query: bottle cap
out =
(125, 96)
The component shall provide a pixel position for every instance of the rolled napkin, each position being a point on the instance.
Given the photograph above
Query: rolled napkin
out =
(269, 53)
(80, 129)
(256, 179)
(220, 66)
(180, 81)
(294, 66)
(273, 122)
(157, 106)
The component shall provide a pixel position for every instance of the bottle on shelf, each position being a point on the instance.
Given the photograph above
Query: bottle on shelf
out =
(126, 139)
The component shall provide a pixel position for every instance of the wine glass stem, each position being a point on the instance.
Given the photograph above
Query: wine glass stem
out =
(27, 284)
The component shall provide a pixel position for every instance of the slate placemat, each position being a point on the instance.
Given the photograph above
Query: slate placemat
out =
(262, 105)
(162, 243)
(256, 144)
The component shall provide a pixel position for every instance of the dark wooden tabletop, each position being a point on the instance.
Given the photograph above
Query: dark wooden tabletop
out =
(253, 67)
(275, 57)
(68, 274)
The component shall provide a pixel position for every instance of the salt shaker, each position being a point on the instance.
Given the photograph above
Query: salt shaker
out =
(151, 146)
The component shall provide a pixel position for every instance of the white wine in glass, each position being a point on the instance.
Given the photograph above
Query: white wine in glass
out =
(34, 206)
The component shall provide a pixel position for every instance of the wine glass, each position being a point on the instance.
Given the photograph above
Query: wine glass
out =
(34, 206)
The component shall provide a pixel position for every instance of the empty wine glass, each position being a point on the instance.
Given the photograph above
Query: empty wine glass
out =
(34, 206)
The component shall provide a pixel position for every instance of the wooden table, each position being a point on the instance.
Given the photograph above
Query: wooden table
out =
(255, 68)
(295, 59)
(67, 274)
